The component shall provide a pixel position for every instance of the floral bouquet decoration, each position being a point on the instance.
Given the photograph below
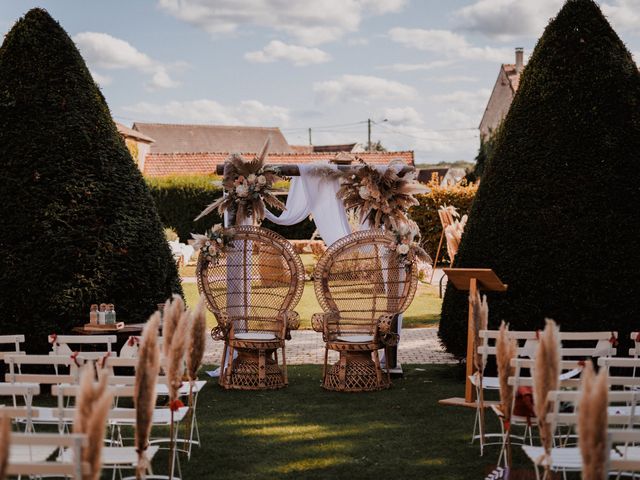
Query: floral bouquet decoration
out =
(248, 185)
(213, 242)
(381, 198)
(407, 245)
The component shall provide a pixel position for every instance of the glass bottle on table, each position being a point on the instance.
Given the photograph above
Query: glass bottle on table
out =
(110, 318)
(93, 314)
(102, 314)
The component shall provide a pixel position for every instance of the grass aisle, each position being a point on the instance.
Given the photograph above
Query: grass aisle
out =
(303, 432)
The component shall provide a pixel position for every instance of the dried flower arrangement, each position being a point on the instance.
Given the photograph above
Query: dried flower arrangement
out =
(506, 350)
(380, 197)
(213, 242)
(248, 185)
(195, 351)
(480, 309)
(407, 244)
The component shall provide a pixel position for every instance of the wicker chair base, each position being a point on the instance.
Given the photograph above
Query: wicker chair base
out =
(355, 372)
(245, 374)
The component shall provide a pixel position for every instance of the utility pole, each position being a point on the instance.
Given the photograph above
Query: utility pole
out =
(310, 136)
(368, 134)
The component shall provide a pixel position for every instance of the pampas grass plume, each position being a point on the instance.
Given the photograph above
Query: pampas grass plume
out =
(546, 378)
(592, 423)
(197, 340)
(506, 350)
(172, 313)
(5, 442)
(144, 398)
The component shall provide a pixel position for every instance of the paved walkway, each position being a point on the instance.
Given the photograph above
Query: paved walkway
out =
(417, 345)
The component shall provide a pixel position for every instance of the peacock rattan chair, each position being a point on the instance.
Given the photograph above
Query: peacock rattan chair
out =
(362, 285)
(251, 289)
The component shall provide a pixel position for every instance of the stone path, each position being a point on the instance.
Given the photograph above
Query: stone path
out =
(417, 345)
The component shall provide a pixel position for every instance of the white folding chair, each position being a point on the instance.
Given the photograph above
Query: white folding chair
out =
(61, 345)
(11, 340)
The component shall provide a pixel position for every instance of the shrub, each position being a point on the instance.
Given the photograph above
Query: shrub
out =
(78, 223)
(556, 214)
(180, 199)
(426, 214)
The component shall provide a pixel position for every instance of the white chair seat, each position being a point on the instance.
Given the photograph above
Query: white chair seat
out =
(46, 415)
(30, 453)
(568, 458)
(488, 383)
(161, 416)
(117, 456)
(355, 338)
(163, 388)
(258, 337)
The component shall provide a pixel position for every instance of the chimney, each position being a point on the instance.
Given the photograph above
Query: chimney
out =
(519, 59)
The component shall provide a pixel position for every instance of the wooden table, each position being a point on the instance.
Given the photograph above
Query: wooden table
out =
(122, 335)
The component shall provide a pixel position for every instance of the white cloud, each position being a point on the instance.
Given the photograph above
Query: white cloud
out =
(101, 50)
(277, 50)
(247, 112)
(507, 19)
(310, 22)
(402, 116)
(623, 14)
(361, 88)
(465, 97)
(102, 80)
(414, 67)
(455, 79)
(358, 42)
(447, 43)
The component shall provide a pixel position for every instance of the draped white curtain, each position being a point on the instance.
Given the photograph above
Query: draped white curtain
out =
(315, 195)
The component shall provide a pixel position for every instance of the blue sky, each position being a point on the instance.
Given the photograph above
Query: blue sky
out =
(426, 66)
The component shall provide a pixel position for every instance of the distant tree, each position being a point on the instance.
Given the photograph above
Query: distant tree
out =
(377, 147)
(79, 225)
(556, 213)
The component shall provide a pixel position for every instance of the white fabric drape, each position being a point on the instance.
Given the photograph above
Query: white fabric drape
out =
(315, 195)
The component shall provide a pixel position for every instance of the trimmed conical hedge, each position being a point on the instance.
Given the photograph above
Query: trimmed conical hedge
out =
(79, 225)
(557, 214)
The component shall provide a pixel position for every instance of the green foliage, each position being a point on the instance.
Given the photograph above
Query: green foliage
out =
(180, 199)
(556, 214)
(485, 152)
(426, 214)
(79, 225)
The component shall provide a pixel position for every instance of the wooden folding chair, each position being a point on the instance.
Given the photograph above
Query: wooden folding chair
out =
(15, 341)
(62, 345)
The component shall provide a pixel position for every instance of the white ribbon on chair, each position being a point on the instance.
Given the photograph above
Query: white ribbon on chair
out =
(315, 195)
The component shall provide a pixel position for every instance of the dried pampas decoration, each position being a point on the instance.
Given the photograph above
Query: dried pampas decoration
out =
(480, 309)
(546, 378)
(175, 368)
(144, 399)
(93, 404)
(592, 423)
(506, 350)
(248, 186)
(195, 351)
(172, 313)
(5, 442)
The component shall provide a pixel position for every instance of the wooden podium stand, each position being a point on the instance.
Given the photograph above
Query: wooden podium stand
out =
(472, 280)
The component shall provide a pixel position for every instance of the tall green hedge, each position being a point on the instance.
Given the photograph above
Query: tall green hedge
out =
(556, 214)
(180, 199)
(78, 223)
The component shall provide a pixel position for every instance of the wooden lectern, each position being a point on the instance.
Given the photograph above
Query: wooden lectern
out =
(472, 280)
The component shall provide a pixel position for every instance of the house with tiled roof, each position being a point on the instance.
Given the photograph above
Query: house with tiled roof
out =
(138, 143)
(164, 164)
(502, 95)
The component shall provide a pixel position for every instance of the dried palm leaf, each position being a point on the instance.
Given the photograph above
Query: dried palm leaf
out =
(147, 371)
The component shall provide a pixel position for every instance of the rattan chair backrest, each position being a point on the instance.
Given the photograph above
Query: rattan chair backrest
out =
(361, 277)
(257, 277)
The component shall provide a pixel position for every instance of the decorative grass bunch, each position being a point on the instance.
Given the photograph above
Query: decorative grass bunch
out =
(93, 405)
(546, 377)
(5, 442)
(381, 197)
(592, 423)
(407, 244)
(248, 186)
(480, 309)
(147, 371)
(506, 350)
(213, 242)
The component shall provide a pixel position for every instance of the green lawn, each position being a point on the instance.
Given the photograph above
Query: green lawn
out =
(423, 312)
(304, 432)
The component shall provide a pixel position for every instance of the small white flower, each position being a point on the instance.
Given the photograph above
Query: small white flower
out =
(217, 227)
(364, 192)
(262, 180)
(219, 240)
(242, 190)
(403, 249)
(251, 178)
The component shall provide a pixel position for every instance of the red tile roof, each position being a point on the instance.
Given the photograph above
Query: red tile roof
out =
(163, 164)
(131, 133)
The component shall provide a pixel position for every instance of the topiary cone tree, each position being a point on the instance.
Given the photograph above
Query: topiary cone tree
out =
(557, 213)
(79, 225)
